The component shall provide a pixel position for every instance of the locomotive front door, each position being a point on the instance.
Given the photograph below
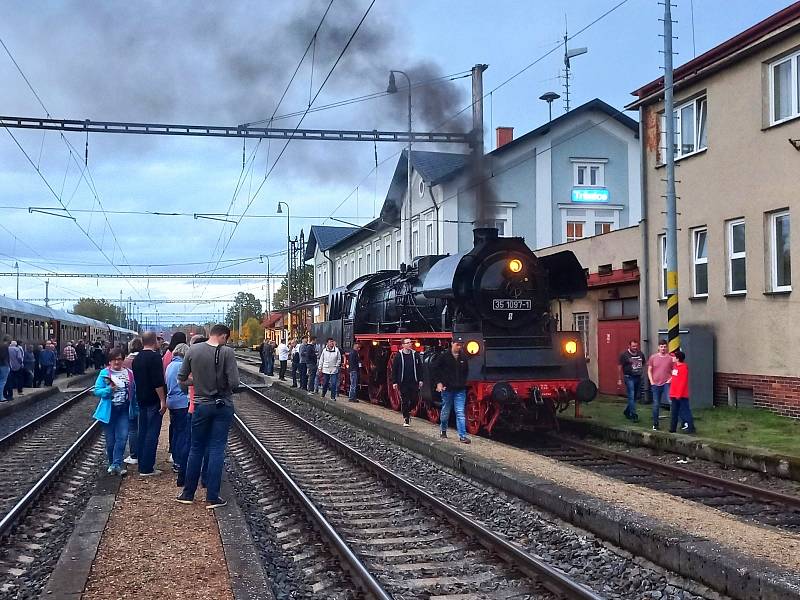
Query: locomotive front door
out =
(612, 339)
(347, 334)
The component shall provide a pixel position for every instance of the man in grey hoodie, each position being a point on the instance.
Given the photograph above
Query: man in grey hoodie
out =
(215, 376)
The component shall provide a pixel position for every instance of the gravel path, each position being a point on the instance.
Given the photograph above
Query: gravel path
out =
(154, 547)
(610, 571)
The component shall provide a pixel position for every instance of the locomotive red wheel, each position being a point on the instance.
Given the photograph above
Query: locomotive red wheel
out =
(376, 383)
(344, 381)
(394, 395)
(475, 413)
(432, 413)
(417, 409)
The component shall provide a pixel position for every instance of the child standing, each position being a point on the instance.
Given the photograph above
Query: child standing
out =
(679, 395)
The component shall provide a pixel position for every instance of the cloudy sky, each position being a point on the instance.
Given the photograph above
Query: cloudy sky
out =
(214, 63)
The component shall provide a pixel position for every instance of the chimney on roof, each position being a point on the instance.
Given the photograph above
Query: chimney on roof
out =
(504, 135)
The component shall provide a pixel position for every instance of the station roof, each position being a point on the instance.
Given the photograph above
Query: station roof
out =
(326, 237)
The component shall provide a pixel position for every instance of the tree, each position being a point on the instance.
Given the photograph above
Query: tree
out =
(253, 332)
(102, 310)
(302, 287)
(250, 308)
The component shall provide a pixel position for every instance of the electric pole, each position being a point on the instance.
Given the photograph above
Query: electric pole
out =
(47, 293)
(16, 266)
(673, 321)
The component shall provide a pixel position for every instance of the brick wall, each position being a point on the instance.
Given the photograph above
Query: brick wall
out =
(778, 394)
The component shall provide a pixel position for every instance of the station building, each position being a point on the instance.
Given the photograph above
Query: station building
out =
(737, 150)
(573, 177)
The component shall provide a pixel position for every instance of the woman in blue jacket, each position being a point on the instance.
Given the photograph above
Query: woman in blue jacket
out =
(117, 392)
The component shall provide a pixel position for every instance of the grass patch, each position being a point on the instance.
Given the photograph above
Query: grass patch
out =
(740, 426)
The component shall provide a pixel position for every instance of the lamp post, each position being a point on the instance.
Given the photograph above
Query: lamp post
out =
(549, 97)
(288, 264)
(392, 89)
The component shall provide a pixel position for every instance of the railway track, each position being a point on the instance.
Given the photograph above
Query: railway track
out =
(45, 466)
(753, 503)
(393, 538)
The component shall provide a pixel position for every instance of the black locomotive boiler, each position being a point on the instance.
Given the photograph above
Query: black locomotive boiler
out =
(496, 297)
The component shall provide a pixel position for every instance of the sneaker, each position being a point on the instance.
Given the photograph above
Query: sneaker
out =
(176, 468)
(442, 434)
(655, 428)
(464, 440)
(120, 471)
(184, 499)
(406, 423)
(211, 504)
(131, 461)
(685, 427)
(169, 459)
(152, 473)
(110, 470)
(635, 417)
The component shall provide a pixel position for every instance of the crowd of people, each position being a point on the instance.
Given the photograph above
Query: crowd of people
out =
(36, 365)
(195, 381)
(315, 367)
(668, 376)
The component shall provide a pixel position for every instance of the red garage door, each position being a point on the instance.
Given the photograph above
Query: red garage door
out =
(612, 339)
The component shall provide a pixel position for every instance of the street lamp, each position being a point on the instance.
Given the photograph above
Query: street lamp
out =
(549, 97)
(392, 89)
(288, 263)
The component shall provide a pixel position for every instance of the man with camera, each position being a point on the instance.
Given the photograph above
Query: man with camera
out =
(215, 376)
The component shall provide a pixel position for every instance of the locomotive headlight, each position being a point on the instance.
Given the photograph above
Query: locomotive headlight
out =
(515, 265)
(473, 347)
(570, 346)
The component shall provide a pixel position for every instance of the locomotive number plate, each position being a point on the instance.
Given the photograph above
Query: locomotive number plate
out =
(508, 304)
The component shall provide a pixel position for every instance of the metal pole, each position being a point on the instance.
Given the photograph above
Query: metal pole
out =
(16, 266)
(410, 252)
(673, 321)
(121, 309)
(47, 292)
(269, 289)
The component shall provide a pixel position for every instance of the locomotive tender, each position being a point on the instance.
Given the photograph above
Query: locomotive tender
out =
(497, 299)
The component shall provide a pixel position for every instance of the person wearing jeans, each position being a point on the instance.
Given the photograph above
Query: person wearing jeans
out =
(151, 395)
(215, 377)
(631, 368)
(407, 378)
(178, 405)
(354, 369)
(47, 363)
(659, 373)
(450, 371)
(5, 369)
(116, 384)
(311, 356)
(330, 361)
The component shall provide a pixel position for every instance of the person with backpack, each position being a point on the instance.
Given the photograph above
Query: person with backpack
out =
(329, 362)
(116, 388)
(407, 378)
(354, 369)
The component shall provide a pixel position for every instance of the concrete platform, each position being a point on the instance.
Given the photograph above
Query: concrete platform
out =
(754, 459)
(686, 543)
(33, 395)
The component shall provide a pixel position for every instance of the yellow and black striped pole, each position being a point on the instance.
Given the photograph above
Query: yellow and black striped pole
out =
(673, 321)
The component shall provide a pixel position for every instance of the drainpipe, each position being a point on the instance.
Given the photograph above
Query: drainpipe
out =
(436, 207)
(644, 269)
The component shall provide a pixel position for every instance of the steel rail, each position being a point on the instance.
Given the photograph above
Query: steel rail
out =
(21, 507)
(20, 431)
(551, 578)
(362, 574)
(736, 487)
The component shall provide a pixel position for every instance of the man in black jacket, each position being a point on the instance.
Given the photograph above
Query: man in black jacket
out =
(354, 370)
(450, 371)
(407, 378)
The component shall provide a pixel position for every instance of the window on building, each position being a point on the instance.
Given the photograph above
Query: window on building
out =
(399, 251)
(580, 323)
(662, 251)
(431, 241)
(784, 77)
(378, 265)
(415, 237)
(338, 274)
(574, 230)
(353, 273)
(620, 308)
(589, 174)
(369, 262)
(737, 263)
(780, 259)
(387, 241)
(690, 128)
(700, 261)
(600, 227)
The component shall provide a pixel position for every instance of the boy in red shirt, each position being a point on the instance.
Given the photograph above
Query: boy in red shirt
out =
(679, 395)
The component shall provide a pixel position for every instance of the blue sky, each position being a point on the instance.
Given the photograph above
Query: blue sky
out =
(188, 63)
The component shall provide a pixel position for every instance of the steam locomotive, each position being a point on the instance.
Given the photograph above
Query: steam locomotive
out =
(497, 299)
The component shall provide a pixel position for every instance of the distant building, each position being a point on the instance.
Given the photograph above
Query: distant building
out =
(574, 177)
(737, 116)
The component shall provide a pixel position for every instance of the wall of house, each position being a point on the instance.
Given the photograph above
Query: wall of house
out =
(748, 171)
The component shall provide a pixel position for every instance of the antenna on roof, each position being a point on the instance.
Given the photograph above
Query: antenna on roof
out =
(567, 68)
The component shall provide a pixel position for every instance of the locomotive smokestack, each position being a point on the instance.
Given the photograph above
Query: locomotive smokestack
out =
(481, 235)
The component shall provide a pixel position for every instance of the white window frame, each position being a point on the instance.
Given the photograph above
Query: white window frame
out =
(699, 261)
(503, 212)
(582, 317)
(398, 249)
(773, 254)
(662, 271)
(415, 237)
(387, 243)
(338, 272)
(794, 61)
(369, 260)
(575, 221)
(735, 255)
(588, 164)
(590, 217)
(697, 115)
